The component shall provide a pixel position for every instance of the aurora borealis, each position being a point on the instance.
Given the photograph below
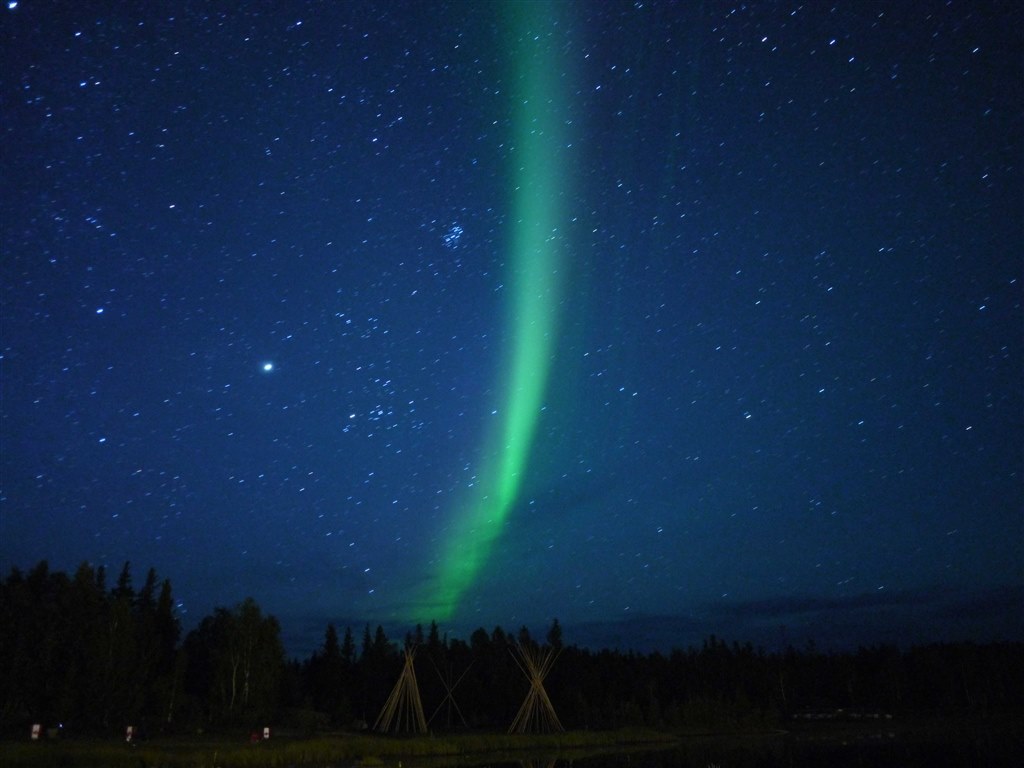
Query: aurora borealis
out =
(533, 305)
(663, 319)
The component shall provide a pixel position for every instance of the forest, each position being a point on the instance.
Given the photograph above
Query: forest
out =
(88, 658)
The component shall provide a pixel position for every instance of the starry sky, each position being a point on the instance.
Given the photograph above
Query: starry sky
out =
(661, 319)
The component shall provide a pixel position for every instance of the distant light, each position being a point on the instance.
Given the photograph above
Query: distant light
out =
(268, 367)
(12, 5)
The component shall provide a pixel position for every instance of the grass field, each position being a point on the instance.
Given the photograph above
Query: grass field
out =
(337, 751)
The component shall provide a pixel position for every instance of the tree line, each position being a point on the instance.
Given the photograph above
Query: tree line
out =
(95, 658)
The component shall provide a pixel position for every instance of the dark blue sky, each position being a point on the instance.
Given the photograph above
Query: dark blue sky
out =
(784, 392)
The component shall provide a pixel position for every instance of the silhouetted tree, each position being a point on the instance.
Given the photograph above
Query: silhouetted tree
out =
(72, 651)
(348, 649)
(327, 675)
(554, 636)
(238, 658)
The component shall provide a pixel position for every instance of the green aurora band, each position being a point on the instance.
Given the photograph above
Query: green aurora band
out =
(532, 306)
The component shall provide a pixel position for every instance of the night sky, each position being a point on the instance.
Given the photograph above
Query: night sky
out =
(663, 320)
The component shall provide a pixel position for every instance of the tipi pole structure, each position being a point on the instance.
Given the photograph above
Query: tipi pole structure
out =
(537, 713)
(449, 698)
(403, 711)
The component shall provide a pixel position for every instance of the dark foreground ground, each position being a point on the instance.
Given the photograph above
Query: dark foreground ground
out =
(339, 750)
(994, 740)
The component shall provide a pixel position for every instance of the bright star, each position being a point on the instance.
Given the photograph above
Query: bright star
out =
(268, 367)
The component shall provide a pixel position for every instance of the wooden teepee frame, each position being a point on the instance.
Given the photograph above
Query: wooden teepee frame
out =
(403, 711)
(449, 699)
(537, 713)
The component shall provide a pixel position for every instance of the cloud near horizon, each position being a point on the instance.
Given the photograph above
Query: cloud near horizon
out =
(841, 623)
